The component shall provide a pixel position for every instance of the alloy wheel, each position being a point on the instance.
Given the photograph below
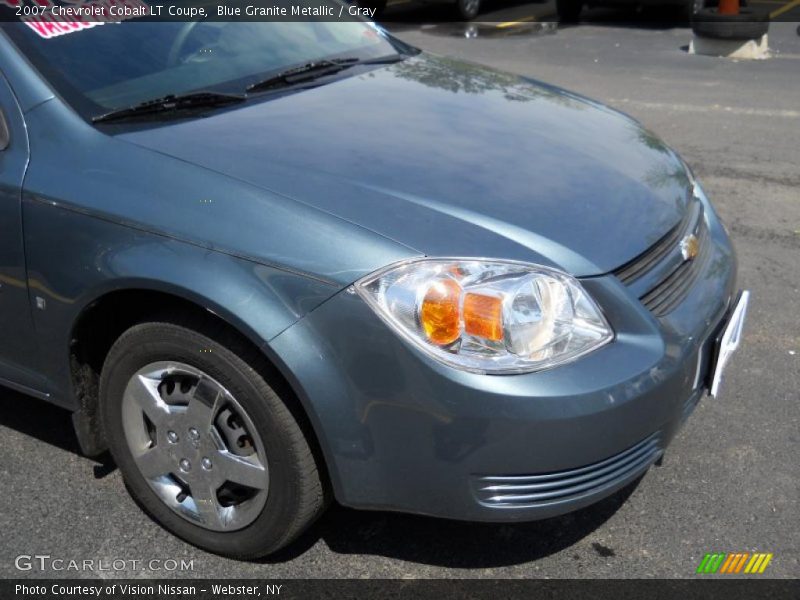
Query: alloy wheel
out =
(195, 445)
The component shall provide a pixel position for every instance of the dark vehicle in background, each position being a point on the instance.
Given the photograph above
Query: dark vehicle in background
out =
(569, 10)
(228, 250)
(464, 10)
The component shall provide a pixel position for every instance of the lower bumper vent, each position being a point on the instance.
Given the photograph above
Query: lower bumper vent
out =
(530, 490)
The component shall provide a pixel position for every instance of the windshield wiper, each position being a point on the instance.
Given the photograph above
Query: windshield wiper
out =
(317, 69)
(172, 103)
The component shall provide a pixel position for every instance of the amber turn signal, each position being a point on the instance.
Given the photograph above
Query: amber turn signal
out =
(483, 316)
(440, 314)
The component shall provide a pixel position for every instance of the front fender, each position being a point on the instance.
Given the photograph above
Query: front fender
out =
(74, 259)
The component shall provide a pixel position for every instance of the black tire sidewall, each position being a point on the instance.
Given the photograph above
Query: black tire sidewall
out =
(148, 343)
(746, 25)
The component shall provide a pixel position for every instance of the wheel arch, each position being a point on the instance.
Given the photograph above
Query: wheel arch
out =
(110, 313)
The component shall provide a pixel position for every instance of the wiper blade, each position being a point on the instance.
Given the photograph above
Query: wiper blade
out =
(172, 103)
(307, 72)
(315, 70)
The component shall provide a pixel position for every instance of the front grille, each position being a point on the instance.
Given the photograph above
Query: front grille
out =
(675, 276)
(640, 265)
(671, 291)
(500, 491)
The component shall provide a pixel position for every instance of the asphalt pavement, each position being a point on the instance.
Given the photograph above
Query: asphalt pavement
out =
(510, 14)
(730, 481)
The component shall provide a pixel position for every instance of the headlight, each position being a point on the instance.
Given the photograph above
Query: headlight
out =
(487, 316)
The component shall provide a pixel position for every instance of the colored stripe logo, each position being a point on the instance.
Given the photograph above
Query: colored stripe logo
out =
(734, 563)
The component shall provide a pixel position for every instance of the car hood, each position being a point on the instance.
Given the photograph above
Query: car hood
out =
(452, 159)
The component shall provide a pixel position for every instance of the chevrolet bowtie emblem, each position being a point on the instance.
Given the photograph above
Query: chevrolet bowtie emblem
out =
(690, 247)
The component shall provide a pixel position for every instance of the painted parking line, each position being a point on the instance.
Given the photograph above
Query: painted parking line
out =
(520, 21)
(783, 9)
(714, 108)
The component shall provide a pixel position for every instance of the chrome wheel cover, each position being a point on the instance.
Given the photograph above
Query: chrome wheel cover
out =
(195, 446)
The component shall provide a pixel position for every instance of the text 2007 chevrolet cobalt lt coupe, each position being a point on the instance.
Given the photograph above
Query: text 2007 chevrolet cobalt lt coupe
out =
(269, 264)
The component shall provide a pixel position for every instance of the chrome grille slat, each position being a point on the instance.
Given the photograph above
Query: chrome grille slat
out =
(587, 478)
(566, 492)
(504, 491)
(572, 472)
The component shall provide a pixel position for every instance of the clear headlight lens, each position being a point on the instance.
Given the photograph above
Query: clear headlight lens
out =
(488, 316)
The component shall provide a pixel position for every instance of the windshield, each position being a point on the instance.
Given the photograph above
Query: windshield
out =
(118, 65)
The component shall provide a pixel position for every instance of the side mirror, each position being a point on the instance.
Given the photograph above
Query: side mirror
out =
(5, 135)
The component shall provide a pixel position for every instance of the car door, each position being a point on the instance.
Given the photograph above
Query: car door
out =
(17, 343)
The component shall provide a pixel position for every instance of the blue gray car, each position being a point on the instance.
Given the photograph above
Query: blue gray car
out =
(272, 265)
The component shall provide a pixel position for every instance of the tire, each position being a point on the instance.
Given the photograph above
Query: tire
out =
(568, 10)
(468, 9)
(237, 521)
(747, 25)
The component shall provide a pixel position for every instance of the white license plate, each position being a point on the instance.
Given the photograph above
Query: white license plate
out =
(728, 342)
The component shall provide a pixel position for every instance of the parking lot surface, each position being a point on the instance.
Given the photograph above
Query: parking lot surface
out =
(730, 481)
(509, 14)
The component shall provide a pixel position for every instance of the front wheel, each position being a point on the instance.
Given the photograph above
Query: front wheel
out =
(204, 443)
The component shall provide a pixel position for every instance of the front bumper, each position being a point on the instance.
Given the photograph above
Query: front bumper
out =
(401, 432)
